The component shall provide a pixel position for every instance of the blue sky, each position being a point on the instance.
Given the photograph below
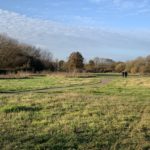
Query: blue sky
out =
(118, 29)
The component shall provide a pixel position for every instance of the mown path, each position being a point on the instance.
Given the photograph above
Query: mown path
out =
(103, 82)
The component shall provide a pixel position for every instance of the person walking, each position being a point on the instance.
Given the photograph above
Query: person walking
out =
(126, 74)
(123, 74)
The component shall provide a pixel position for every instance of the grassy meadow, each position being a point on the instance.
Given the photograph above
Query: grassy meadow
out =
(59, 112)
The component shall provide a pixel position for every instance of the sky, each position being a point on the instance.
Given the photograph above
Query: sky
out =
(117, 29)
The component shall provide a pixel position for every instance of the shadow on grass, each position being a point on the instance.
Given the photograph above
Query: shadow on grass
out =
(17, 78)
(21, 108)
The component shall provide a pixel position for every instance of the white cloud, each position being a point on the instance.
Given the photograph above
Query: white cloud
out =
(61, 39)
(138, 6)
(131, 4)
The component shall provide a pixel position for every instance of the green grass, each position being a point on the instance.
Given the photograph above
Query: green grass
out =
(96, 113)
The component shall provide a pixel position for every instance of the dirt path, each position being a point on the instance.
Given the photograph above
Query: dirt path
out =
(103, 82)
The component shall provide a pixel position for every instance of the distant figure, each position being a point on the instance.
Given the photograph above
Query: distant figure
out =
(123, 74)
(126, 74)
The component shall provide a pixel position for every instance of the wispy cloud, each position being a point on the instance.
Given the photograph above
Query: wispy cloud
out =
(61, 39)
(138, 6)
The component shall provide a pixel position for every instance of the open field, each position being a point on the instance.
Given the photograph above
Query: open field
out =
(87, 113)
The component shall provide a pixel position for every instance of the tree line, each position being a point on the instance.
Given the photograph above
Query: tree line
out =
(19, 56)
(16, 56)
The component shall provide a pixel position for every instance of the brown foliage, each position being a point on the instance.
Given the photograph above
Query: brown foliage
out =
(18, 56)
(75, 62)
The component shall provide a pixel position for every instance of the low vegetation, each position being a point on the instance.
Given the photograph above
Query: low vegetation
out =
(75, 112)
